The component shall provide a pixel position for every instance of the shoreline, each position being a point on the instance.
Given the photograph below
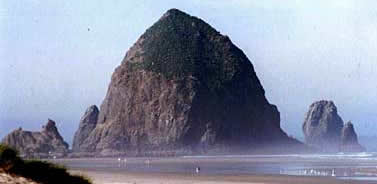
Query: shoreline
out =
(215, 170)
(104, 177)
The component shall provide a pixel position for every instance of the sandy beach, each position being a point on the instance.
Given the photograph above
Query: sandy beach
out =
(227, 169)
(100, 177)
(12, 179)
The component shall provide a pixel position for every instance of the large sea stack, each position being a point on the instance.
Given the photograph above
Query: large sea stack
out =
(184, 88)
(324, 129)
(43, 144)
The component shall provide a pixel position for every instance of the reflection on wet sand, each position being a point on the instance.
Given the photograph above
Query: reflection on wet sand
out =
(338, 166)
(334, 172)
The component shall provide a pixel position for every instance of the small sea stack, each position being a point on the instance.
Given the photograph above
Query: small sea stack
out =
(325, 130)
(349, 140)
(47, 143)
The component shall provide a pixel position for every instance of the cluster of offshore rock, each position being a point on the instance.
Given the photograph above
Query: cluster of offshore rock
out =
(324, 129)
(184, 88)
(44, 144)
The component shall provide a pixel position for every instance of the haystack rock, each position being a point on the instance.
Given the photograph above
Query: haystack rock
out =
(184, 88)
(87, 124)
(43, 144)
(349, 141)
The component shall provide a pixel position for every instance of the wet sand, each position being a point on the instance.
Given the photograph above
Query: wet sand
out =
(224, 169)
(101, 177)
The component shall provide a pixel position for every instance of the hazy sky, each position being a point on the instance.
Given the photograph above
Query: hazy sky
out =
(52, 66)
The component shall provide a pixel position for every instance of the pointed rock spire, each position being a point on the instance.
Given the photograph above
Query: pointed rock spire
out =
(87, 123)
(349, 141)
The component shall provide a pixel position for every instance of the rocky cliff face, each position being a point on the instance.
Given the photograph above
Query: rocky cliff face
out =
(87, 124)
(324, 128)
(45, 143)
(183, 87)
(349, 141)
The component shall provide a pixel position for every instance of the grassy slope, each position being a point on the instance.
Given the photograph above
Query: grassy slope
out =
(39, 171)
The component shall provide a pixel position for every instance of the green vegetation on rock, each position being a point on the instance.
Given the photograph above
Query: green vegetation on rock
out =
(180, 45)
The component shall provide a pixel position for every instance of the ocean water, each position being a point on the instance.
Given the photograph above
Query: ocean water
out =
(360, 166)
